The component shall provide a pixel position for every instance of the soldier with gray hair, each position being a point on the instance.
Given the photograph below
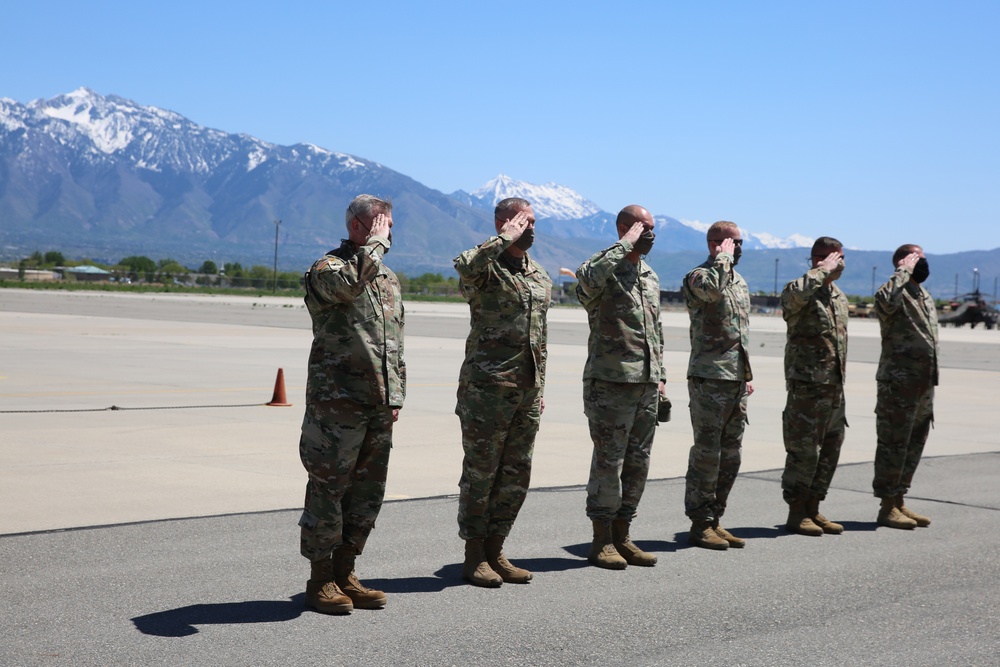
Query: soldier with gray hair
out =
(354, 391)
(622, 380)
(814, 421)
(500, 389)
(719, 383)
(906, 377)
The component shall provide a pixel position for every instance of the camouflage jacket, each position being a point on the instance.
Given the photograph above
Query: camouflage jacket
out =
(357, 321)
(816, 315)
(508, 301)
(622, 300)
(718, 303)
(908, 320)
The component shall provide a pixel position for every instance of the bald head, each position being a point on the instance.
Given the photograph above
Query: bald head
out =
(632, 214)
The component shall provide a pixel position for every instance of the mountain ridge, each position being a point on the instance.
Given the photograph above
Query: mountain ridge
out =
(95, 175)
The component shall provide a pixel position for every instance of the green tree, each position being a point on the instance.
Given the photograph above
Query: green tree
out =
(209, 267)
(140, 265)
(170, 269)
(54, 258)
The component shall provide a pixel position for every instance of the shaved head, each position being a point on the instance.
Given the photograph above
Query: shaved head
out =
(632, 214)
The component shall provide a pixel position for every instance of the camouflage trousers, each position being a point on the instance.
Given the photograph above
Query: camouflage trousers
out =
(718, 418)
(622, 418)
(813, 425)
(345, 449)
(498, 435)
(904, 413)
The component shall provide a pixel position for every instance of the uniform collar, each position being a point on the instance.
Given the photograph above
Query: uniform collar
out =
(521, 265)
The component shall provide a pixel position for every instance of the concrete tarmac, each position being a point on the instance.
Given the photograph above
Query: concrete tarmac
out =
(163, 531)
(192, 437)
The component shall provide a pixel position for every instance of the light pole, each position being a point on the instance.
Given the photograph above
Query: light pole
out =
(873, 280)
(274, 288)
(775, 276)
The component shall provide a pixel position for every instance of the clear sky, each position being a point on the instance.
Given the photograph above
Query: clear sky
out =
(875, 122)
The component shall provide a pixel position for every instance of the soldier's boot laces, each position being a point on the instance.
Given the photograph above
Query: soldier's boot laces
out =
(626, 548)
(476, 570)
(602, 551)
(829, 527)
(361, 596)
(322, 592)
(734, 542)
(703, 535)
(890, 516)
(510, 573)
(800, 522)
(922, 521)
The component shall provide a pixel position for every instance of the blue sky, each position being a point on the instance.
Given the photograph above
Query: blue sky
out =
(875, 122)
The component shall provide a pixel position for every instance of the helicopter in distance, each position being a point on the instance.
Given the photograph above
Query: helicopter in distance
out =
(971, 308)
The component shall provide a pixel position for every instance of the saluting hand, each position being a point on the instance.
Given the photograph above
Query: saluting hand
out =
(830, 262)
(634, 232)
(380, 226)
(910, 261)
(515, 226)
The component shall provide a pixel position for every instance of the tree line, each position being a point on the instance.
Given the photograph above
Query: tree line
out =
(168, 271)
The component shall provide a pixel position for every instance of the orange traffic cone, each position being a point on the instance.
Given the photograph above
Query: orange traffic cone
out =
(278, 400)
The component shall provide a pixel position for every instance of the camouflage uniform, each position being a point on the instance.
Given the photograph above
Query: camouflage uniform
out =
(907, 374)
(620, 380)
(500, 384)
(718, 303)
(356, 377)
(814, 421)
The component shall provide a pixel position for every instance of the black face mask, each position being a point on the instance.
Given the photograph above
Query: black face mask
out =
(525, 240)
(645, 243)
(921, 270)
(737, 253)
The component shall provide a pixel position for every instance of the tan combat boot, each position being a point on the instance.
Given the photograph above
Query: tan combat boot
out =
(829, 527)
(626, 548)
(510, 573)
(476, 570)
(734, 542)
(800, 522)
(922, 521)
(361, 596)
(890, 516)
(322, 593)
(703, 535)
(602, 551)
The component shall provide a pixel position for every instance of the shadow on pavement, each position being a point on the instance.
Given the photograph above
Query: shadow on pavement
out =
(653, 546)
(181, 622)
(851, 526)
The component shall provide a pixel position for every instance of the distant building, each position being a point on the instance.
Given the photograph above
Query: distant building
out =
(84, 273)
(30, 275)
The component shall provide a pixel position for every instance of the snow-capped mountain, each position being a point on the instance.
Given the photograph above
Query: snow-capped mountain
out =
(106, 177)
(564, 212)
(100, 174)
(758, 240)
(556, 202)
(105, 129)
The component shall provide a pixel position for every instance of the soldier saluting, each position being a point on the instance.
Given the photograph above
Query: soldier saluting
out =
(355, 389)
(500, 389)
